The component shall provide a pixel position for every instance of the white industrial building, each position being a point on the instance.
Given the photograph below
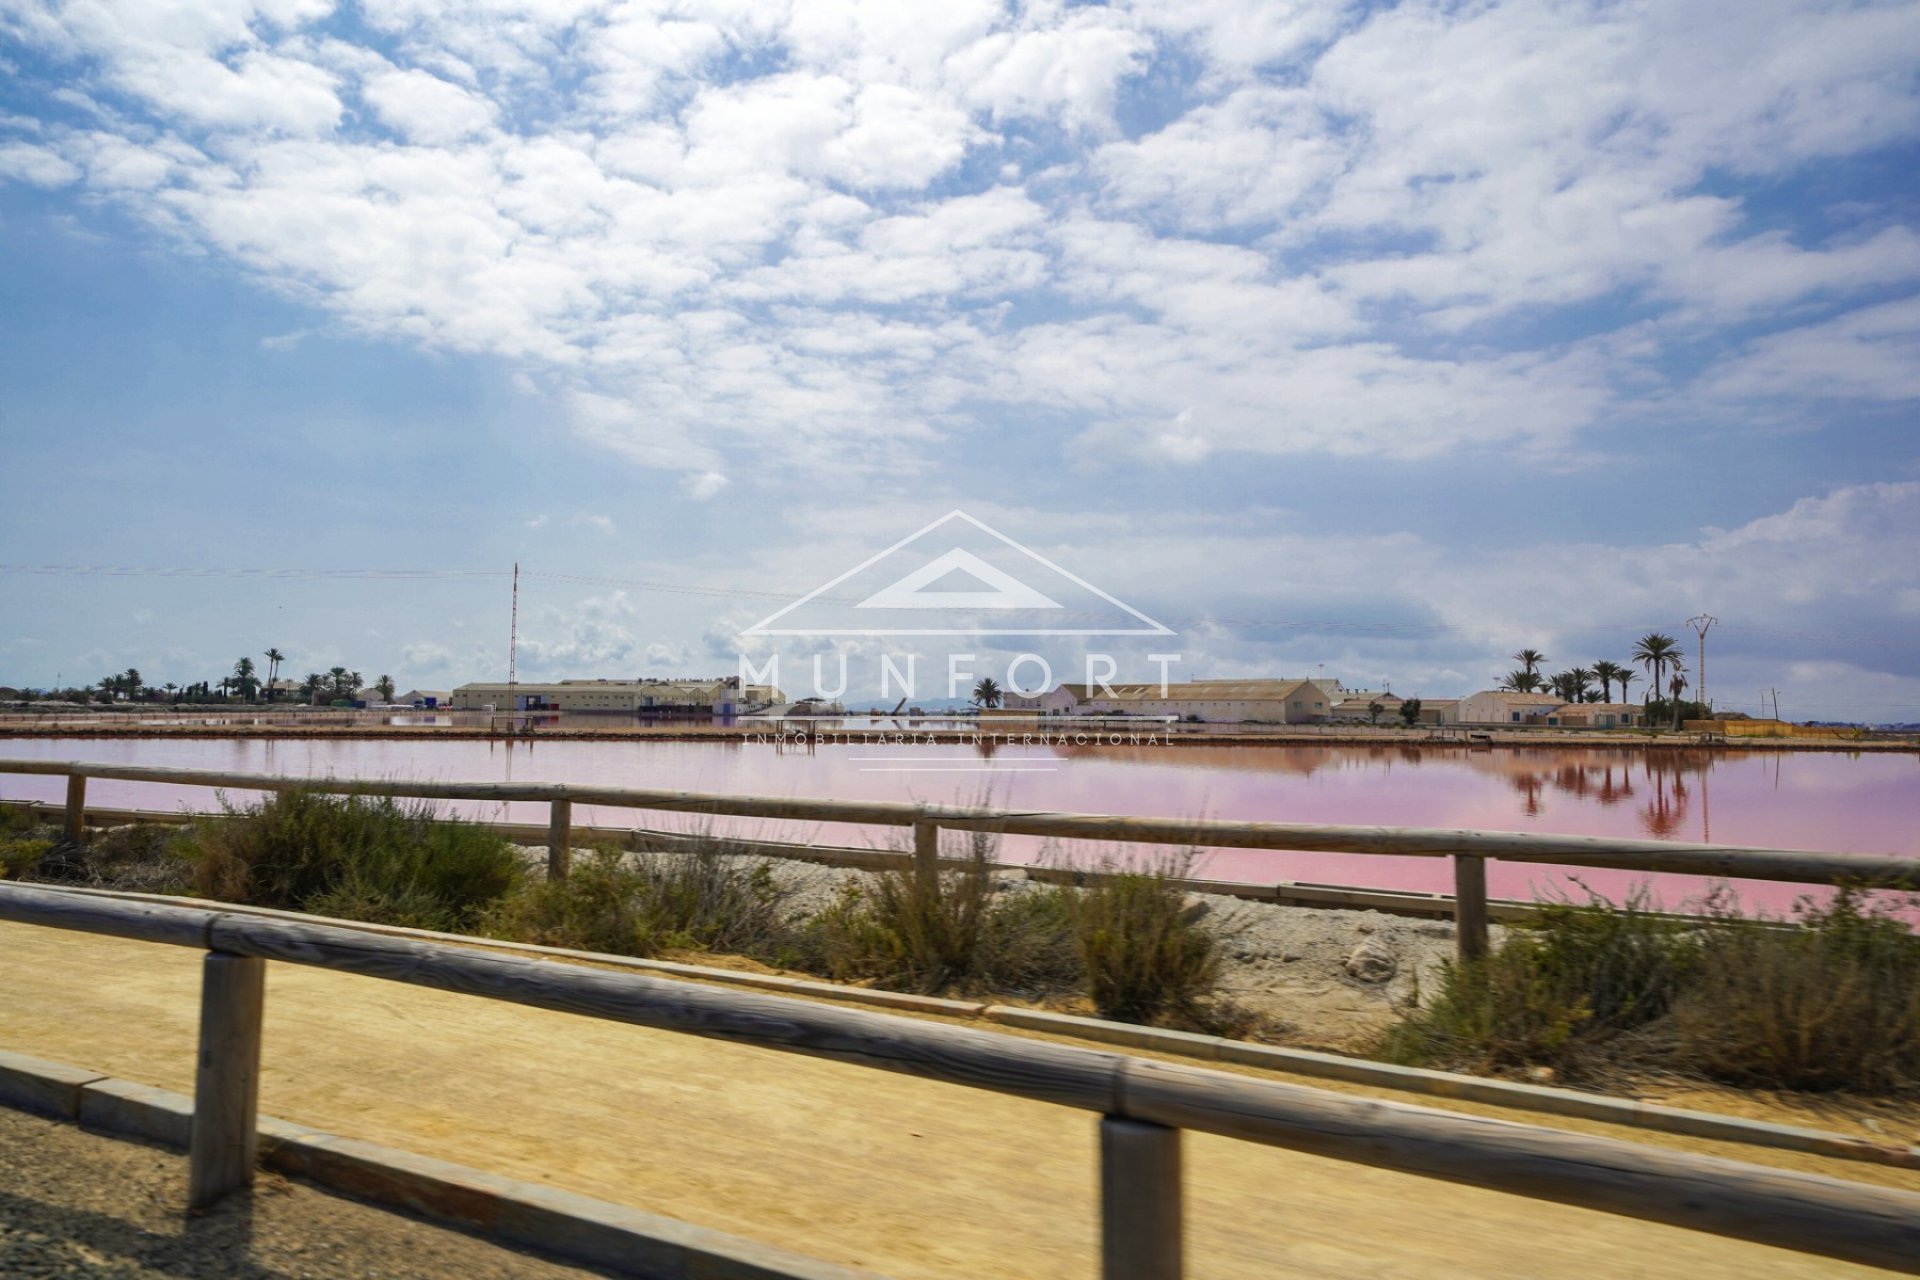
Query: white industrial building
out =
(722, 697)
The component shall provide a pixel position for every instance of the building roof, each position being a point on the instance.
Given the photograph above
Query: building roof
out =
(1529, 699)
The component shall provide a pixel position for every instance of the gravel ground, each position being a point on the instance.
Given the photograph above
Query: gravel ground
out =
(73, 1204)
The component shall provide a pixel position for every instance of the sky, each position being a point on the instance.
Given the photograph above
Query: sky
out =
(1372, 341)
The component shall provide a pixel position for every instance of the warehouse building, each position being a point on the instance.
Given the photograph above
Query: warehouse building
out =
(724, 696)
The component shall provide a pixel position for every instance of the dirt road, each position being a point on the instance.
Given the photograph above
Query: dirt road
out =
(899, 1175)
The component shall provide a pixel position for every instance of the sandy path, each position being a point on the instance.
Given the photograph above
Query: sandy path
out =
(882, 1171)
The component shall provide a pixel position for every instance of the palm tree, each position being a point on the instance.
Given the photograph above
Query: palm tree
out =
(132, 683)
(274, 659)
(1522, 682)
(243, 678)
(1625, 677)
(1530, 660)
(342, 681)
(385, 685)
(1676, 681)
(1373, 711)
(109, 685)
(311, 686)
(987, 693)
(171, 689)
(1654, 652)
(1607, 673)
(1580, 680)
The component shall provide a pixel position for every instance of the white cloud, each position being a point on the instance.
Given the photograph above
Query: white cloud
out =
(836, 237)
(601, 523)
(41, 166)
(425, 108)
(704, 485)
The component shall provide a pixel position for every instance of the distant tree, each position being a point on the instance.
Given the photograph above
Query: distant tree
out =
(1580, 679)
(1530, 660)
(1410, 712)
(1675, 683)
(986, 694)
(342, 681)
(245, 682)
(312, 685)
(1626, 677)
(133, 683)
(385, 685)
(1522, 682)
(172, 691)
(1607, 673)
(1373, 711)
(274, 658)
(1655, 652)
(109, 686)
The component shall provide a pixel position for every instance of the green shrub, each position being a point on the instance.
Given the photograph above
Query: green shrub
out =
(1834, 1004)
(21, 857)
(356, 857)
(598, 907)
(1147, 957)
(952, 932)
(1556, 992)
(643, 904)
(16, 822)
(1831, 1001)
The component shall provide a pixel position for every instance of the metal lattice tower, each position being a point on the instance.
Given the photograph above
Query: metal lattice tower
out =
(1701, 624)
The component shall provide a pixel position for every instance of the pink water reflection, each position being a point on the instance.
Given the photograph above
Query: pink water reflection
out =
(1826, 801)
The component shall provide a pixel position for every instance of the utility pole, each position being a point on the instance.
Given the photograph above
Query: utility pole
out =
(1701, 625)
(513, 643)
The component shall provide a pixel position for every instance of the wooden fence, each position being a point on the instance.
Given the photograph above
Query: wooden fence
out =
(1143, 1105)
(1469, 850)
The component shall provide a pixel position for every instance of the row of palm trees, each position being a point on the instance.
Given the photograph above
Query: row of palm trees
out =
(245, 683)
(1657, 653)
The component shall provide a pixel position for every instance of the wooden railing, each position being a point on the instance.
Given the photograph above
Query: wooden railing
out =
(1469, 850)
(1143, 1105)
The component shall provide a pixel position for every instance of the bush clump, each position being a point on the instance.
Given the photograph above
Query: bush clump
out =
(1146, 956)
(357, 857)
(1127, 938)
(953, 932)
(645, 903)
(1834, 1004)
(1593, 988)
(22, 842)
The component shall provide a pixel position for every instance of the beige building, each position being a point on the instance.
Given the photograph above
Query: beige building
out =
(1502, 706)
(1602, 715)
(1212, 701)
(723, 697)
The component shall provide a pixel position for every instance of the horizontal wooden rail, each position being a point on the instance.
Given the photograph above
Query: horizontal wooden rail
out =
(1858, 1223)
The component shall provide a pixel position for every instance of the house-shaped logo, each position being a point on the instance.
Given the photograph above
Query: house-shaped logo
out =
(957, 577)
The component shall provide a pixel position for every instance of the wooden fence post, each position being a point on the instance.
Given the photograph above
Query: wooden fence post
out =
(926, 851)
(1140, 1209)
(226, 1087)
(76, 807)
(560, 840)
(1470, 905)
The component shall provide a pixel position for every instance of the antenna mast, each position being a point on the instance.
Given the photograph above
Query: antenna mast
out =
(1700, 625)
(513, 638)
